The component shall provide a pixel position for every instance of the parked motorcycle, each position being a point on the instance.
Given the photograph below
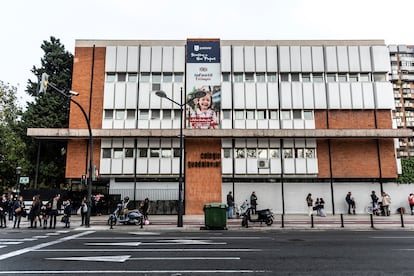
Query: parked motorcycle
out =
(261, 216)
(134, 217)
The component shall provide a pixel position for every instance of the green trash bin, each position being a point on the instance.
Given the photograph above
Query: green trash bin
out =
(215, 216)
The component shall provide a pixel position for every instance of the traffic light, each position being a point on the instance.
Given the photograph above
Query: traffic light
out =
(43, 83)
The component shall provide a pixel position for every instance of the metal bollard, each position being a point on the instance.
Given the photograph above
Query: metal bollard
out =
(142, 222)
(283, 220)
(342, 220)
(372, 220)
(402, 219)
(312, 221)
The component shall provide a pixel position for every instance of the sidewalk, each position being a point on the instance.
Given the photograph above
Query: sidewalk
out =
(291, 221)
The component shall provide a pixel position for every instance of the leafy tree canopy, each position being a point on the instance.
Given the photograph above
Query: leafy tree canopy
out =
(407, 175)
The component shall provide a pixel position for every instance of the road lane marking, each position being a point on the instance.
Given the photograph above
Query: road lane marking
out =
(113, 243)
(123, 258)
(11, 243)
(145, 272)
(39, 246)
(157, 250)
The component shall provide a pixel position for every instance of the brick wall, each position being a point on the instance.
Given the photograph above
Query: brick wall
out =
(202, 185)
(355, 158)
(81, 82)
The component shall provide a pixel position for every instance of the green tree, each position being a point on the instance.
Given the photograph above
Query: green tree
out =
(49, 110)
(407, 175)
(12, 147)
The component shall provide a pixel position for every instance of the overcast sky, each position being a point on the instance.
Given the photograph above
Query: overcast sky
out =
(25, 24)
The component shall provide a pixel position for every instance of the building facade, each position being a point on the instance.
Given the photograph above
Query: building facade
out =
(290, 118)
(402, 78)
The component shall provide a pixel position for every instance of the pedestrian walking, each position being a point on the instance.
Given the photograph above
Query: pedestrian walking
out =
(411, 203)
(253, 202)
(84, 211)
(309, 202)
(19, 211)
(3, 210)
(230, 205)
(56, 205)
(351, 203)
(67, 212)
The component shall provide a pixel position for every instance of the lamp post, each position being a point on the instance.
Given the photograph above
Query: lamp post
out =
(198, 94)
(43, 86)
(18, 173)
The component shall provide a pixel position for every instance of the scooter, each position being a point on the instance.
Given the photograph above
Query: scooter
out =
(261, 216)
(134, 217)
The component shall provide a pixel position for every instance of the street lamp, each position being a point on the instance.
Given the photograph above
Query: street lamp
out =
(18, 173)
(198, 94)
(43, 86)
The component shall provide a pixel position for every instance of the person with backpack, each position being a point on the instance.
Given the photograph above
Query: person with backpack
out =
(67, 212)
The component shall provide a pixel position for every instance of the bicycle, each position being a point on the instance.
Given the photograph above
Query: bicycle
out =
(373, 209)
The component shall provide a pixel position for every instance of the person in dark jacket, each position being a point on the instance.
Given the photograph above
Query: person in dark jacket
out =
(67, 212)
(253, 202)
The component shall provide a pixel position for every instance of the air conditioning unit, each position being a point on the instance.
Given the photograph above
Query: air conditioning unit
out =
(263, 164)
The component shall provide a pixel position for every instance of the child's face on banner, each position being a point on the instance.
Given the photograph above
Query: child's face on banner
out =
(205, 102)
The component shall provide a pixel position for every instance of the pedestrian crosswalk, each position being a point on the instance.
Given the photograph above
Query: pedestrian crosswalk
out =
(16, 241)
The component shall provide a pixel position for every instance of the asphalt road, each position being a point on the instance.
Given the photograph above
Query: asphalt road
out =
(253, 252)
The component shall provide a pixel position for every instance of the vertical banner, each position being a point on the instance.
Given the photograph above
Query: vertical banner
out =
(203, 74)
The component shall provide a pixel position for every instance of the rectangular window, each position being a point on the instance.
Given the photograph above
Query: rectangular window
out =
(156, 86)
(251, 153)
(132, 77)
(249, 77)
(118, 153)
(176, 152)
(308, 115)
(129, 153)
(285, 114)
(261, 114)
(154, 152)
(226, 77)
(178, 77)
(306, 77)
(310, 153)
(240, 153)
(156, 77)
(294, 76)
(250, 114)
(297, 114)
(131, 114)
(284, 77)
(331, 77)
(342, 77)
(274, 153)
(239, 114)
(145, 77)
(274, 115)
(227, 153)
(120, 115)
(260, 77)
(299, 153)
(109, 114)
(143, 152)
(238, 77)
(143, 114)
(353, 77)
(262, 153)
(106, 153)
(167, 77)
(155, 114)
(121, 77)
(166, 153)
(110, 77)
(287, 153)
(317, 78)
(166, 114)
(226, 114)
(271, 77)
(380, 77)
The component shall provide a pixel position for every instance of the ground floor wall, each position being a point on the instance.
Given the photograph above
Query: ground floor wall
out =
(288, 197)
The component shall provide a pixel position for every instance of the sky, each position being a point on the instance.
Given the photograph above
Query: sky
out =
(25, 24)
